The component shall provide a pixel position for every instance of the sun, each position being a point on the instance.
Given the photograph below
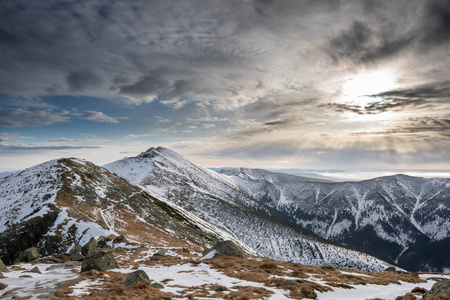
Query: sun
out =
(363, 85)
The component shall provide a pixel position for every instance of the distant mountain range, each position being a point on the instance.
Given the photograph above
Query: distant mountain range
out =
(401, 219)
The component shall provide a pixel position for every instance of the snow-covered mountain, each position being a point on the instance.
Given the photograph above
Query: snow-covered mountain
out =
(217, 199)
(62, 202)
(398, 218)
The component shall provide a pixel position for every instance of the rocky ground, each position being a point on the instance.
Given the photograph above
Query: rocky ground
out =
(186, 274)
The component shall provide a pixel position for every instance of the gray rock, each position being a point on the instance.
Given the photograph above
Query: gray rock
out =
(3, 286)
(137, 276)
(27, 255)
(90, 248)
(442, 287)
(3, 267)
(76, 248)
(221, 288)
(35, 270)
(289, 283)
(77, 256)
(390, 269)
(226, 248)
(100, 261)
(186, 250)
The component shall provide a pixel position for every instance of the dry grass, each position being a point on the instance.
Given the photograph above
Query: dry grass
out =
(247, 292)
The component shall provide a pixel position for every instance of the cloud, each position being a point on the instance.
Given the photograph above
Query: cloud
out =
(81, 80)
(361, 44)
(24, 118)
(9, 148)
(97, 116)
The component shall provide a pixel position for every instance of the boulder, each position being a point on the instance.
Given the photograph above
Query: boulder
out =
(120, 239)
(77, 256)
(389, 269)
(137, 276)
(27, 255)
(157, 285)
(3, 286)
(289, 282)
(442, 287)
(226, 248)
(103, 242)
(76, 248)
(3, 266)
(100, 261)
(90, 248)
(35, 270)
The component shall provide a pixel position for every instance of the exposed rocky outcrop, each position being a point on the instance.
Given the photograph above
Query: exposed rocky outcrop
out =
(25, 235)
(100, 261)
(120, 239)
(226, 248)
(27, 255)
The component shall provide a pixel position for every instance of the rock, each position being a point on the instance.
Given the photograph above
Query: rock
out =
(100, 261)
(77, 256)
(103, 242)
(3, 267)
(27, 255)
(289, 282)
(157, 285)
(120, 239)
(226, 248)
(442, 287)
(35, 270)
(137, 276)
(390, 269)
(3, 286)
(25, 276)
(221, 288)
(76, 248)
(186, 250)
(90, 248)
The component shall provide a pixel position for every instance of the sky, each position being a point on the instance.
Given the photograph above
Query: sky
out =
(306, 84)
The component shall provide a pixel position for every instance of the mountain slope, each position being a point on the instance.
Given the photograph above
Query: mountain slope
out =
(384, 216)
(62, 202)
(218, 200)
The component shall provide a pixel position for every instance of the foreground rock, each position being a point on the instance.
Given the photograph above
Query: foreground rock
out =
(226, 248)
(137, 276)
(120, 239)
(90, 248)
(442, 287)
(2, 266)
(27, 255)
(100, 261)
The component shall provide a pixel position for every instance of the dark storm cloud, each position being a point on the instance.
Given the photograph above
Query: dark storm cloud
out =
(151, 84)
(365, 42)
(433, 91)
(80, 80)
(361, 44)
(436, 20)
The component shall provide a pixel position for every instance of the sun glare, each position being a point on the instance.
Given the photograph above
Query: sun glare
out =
(362, 85)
